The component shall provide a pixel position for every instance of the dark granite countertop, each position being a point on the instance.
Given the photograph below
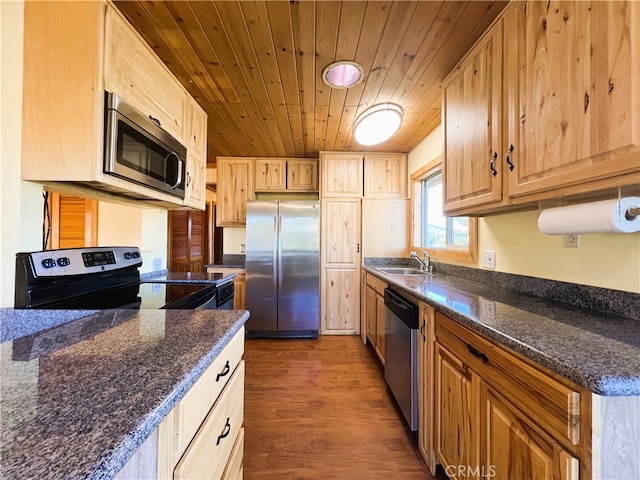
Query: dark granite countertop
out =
(78, 399)
(597, 351)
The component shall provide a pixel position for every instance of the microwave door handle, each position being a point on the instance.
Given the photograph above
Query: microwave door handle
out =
(179, 162)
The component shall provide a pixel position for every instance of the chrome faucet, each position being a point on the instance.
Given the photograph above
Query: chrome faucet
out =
(425, 263)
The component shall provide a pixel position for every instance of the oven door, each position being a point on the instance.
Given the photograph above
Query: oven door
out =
(226, 296)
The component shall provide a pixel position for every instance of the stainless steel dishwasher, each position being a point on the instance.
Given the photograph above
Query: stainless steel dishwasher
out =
(401, 353)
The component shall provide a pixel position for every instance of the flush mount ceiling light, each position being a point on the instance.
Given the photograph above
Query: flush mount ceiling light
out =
(342, 74)
(377, 124)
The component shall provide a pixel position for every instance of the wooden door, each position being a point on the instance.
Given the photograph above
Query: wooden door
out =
(74, 222)
(514, 447)
(426, 344)
(270, 174)
(234, 188)
(196, 171)
(302, 175)
(370, 314)
(341, 301)
(455, 412)
(380, 327)
(188, 233)
(342, 174)
(385, 175)
(341, 232)
(472, 113)
(574, 105)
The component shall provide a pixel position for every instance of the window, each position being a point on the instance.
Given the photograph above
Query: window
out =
(445, 238)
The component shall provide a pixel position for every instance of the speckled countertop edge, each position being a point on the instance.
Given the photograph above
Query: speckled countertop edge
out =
(598, 352)
(106, 464)
(178, 277)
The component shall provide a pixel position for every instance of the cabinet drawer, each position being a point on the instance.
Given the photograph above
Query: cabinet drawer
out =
(211, 448)
(195, 405)
(549, 402)
(234, 470)
(377, 284)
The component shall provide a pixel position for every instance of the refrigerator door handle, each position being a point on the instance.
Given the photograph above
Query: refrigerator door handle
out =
(274, 252)
(279, 252)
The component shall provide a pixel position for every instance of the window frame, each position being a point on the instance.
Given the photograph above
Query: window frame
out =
(461, 255)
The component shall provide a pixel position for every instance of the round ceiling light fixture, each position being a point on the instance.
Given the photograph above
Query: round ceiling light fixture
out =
(343, 74)
(378, 123)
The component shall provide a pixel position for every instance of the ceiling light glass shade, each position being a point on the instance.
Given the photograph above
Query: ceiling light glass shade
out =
(377, 124)
(342, 74)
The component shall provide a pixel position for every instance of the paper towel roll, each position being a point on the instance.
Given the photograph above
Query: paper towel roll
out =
(607, 216)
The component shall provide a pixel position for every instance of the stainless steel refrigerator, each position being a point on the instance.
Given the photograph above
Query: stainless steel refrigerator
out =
(283, 268)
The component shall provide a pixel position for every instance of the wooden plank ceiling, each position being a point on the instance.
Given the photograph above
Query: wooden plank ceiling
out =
(256, 66)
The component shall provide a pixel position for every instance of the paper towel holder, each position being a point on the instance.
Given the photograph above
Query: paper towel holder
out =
(632, 213)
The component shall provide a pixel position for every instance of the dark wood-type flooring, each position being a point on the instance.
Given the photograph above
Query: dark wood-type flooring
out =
(320, 409)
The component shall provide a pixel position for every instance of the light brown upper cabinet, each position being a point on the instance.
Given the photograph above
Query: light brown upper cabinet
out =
(73, 52)
(285, 175)
(545, 105)
(371, 175)
(385, 175)
(235, 187)
(195, 182)
(134, 72)
(302, 175)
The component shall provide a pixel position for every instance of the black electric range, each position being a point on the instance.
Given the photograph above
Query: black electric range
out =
(108, 277)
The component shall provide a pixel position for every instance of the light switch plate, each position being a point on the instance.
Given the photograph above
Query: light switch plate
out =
(488, 259)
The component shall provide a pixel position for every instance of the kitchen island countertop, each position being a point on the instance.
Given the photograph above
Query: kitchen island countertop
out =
(597, 351)
(78, 399)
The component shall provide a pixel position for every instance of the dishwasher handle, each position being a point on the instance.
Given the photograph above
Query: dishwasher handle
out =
(405, 310)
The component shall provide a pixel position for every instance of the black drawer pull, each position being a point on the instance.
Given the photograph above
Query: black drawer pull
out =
(477, 353)
(155, 120)
(225, 433)
(225, 371)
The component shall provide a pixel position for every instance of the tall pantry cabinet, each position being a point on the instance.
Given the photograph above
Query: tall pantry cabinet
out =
(345, 180)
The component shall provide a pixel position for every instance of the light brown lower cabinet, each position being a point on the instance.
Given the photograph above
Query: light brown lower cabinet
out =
(374, 313)
(203, 436)
(239, 284)
(426, 347)
(498, 416)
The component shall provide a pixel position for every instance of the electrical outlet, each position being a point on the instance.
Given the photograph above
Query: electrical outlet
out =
(487, 308)
(488, 259)
(572, 241)
(242, 248)
(157, 264)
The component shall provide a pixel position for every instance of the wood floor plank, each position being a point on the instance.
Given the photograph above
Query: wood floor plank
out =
(320, 409)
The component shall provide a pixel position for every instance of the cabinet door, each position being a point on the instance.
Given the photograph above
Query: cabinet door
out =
(195, 192)
(472, 111)
(302, 175)
(133, 71)
(239, 292)
(380, 327)
(515, 448)
(455, 412)
(235, 187)
(370, 314)
(426, 343)
(341, 174)
(574, 104)
(340, 301)
(270, 174)
(341, 232)
(385, 176)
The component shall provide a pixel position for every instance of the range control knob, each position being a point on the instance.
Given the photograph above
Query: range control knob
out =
(128, 255)
(136, 254)
(48, 263)
(63, 261)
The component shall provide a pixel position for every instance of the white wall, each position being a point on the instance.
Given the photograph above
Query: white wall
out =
(21, 202)
(609, 261)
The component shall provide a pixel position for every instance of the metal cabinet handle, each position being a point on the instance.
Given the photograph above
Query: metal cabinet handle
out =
(509, 162)
(225, 371)
(225, 433)
(477, 353)
(493, 159)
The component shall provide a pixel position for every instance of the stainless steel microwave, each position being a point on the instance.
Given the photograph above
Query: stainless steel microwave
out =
(137, 149)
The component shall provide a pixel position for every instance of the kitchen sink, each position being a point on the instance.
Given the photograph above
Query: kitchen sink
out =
(401, 271)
